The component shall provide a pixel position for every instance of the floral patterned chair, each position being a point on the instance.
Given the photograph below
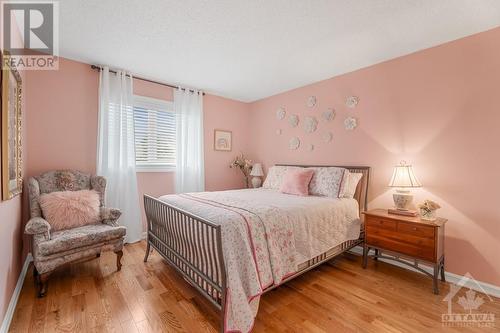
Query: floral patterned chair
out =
(53, 249)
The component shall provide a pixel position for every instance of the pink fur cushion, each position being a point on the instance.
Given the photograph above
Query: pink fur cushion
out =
(70, 209)
(296, 181)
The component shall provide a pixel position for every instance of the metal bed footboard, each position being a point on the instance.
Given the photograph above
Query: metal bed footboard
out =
(191, 245)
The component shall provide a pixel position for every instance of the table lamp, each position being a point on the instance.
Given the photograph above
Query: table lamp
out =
(403, 179)
(257, 173)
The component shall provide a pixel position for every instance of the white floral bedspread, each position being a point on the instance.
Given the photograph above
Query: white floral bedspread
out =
(266, 235)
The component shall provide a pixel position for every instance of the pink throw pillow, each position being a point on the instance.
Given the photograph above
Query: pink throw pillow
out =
(297, 182)
(70, 209)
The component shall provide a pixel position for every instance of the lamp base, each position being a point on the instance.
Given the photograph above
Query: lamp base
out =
(402, 199)
(256, 182)
(404, 212)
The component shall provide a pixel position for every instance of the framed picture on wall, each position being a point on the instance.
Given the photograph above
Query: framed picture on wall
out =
(223, 140)
(11, 129)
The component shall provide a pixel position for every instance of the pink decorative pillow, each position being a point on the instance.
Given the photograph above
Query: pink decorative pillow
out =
(70, 209)
(275, 176)
(296, 181)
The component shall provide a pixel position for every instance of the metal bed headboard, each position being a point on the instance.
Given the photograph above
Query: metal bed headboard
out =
(361, 194)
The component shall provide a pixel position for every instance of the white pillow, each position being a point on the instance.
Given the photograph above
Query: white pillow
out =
(327, 181)
(275, 176)
(351, 183)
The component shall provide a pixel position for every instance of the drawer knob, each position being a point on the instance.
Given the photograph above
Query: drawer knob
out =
(414, 228)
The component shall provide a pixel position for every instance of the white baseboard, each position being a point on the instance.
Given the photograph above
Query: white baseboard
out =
(483, 287)
(15, 295)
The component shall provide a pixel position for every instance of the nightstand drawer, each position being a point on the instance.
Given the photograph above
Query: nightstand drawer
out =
(421, 252)
(416, 230)
(376, 222)
(401, 237)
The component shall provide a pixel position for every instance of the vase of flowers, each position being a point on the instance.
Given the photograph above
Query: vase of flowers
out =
(428, 210)
(244, 165)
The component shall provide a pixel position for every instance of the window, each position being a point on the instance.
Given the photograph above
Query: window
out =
(154, 122)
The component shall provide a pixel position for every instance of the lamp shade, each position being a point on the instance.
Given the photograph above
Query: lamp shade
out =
(257, 170)
(403, 176)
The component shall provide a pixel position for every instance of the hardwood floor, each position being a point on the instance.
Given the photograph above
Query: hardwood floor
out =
(335, 297)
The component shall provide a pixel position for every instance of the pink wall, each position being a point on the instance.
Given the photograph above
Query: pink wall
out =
(437, 109)
(11, 230)
(224, 114)
(11, 248)
(62, 124)
(62, 118)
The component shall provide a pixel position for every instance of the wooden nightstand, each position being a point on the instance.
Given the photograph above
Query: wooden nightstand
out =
(405, 237)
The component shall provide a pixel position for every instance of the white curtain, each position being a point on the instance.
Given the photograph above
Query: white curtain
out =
(115, 151)
(190, 170)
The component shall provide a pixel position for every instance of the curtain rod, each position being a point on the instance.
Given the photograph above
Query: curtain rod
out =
(99, 68)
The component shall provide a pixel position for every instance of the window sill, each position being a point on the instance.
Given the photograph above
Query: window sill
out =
(148, 169)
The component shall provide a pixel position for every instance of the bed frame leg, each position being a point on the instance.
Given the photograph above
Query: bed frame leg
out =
(222, 318)
(148, 250)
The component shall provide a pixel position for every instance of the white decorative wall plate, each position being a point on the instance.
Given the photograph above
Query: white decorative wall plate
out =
(294, 143)
(310, 147)
(293, 120)
(327, 137)
(350, 123)
(329, 114)
(278, 131)
(280, 113)
(352, 101)
(310, 124)
(311, 101)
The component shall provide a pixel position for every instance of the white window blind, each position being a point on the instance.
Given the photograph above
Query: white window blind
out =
(154, 122)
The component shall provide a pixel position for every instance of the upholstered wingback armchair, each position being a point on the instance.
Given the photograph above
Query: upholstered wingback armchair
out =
(52, 249)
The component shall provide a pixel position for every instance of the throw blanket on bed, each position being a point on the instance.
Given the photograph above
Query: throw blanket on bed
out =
(266, 235)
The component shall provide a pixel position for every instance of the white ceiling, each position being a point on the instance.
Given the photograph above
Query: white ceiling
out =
(250, 49)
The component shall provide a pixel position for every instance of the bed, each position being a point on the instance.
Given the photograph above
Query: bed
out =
(233, 246)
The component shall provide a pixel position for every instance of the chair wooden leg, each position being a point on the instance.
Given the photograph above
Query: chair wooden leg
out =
(43, 284)
(119, 255)
(35, 276)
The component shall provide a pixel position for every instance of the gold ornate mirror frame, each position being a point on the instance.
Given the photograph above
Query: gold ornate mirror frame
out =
(11, 132)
